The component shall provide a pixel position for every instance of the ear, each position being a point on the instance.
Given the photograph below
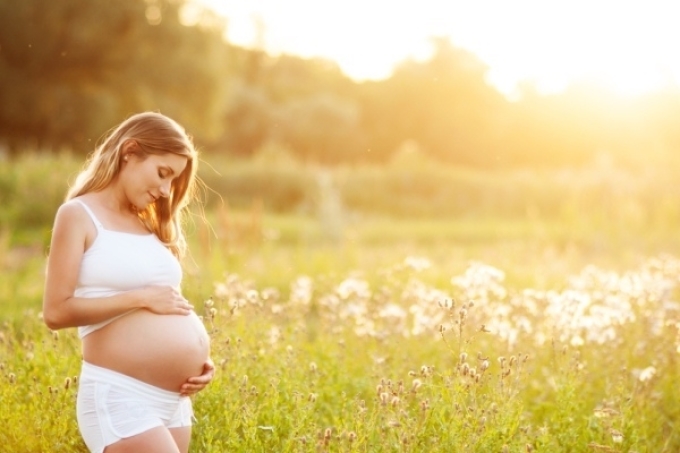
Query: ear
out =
(128, 148)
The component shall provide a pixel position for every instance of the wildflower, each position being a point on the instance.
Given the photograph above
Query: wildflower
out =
(12, 378)
(417, 383)
(463, 357)
(312, 398)
(484, 365)
(395, 401)
(352, 436)
(67, 383)
(462, 313)
(251, 295)
(384, 396)
(424, 405)
(312, 367)
(617, 437)
(647, 374)
(55, 335)
(209, 303)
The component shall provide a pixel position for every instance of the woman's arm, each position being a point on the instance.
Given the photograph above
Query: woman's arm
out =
(72, 231)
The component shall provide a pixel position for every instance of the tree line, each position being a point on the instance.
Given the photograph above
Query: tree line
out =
(70, 70)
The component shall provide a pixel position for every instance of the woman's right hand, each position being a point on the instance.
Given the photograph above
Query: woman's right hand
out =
(164, 300)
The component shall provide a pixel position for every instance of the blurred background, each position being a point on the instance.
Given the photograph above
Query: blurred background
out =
(557, 120)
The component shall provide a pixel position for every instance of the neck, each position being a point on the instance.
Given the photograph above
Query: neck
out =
(115, 200)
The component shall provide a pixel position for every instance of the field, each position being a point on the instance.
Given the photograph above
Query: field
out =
(539, 315)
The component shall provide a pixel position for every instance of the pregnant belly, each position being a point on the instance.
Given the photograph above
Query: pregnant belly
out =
(162, 350)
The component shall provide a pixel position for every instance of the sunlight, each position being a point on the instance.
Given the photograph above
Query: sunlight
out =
(630, 47)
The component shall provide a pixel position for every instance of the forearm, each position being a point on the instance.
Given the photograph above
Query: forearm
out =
(80, 311)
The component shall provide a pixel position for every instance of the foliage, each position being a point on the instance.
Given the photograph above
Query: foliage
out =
(394, 363)
(70, 70)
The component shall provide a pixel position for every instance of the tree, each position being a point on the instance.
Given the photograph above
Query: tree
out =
(71, 69)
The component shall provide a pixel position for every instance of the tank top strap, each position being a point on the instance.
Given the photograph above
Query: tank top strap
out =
(94, 218)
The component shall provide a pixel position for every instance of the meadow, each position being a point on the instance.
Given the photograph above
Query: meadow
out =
(407, 308)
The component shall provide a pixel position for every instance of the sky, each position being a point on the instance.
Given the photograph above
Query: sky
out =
(632, 46)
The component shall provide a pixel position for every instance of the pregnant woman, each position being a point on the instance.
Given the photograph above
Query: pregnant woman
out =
(113, 271)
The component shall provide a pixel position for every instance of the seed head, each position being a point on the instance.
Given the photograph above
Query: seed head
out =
(312, 367)
(384, 397)
(312, 398)
(67, 383)
(617, 436)
(417, 383)
(352, 436)
(12, 378)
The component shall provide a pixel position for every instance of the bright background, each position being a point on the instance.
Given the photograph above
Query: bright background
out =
(632, 46)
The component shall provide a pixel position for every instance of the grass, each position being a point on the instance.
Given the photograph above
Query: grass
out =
(392, 334)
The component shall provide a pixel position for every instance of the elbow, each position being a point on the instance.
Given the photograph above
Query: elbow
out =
(52, 319)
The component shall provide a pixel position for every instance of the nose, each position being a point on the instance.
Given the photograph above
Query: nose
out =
(165, 189)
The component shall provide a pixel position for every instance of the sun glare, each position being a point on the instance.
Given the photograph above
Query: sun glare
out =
(627, 46)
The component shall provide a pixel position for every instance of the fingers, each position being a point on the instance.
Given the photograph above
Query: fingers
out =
(190, 389)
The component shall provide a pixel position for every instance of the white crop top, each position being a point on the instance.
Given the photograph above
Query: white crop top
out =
(117, 262)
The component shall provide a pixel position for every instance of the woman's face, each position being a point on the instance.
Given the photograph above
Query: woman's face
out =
(145, 179)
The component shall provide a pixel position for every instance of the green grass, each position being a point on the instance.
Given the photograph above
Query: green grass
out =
(328, 336)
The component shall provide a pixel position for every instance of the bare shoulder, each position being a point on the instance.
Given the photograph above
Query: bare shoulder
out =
(71, 214)
(72, 218)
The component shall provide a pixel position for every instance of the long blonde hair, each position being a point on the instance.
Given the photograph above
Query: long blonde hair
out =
(154, 133)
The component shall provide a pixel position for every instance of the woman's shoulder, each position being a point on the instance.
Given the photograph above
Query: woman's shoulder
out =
(71, 212)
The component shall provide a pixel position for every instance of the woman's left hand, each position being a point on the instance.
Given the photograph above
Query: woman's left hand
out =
(194, 385)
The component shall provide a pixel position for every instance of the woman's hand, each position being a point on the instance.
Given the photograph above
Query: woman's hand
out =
(194, 385)
(165, 300)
